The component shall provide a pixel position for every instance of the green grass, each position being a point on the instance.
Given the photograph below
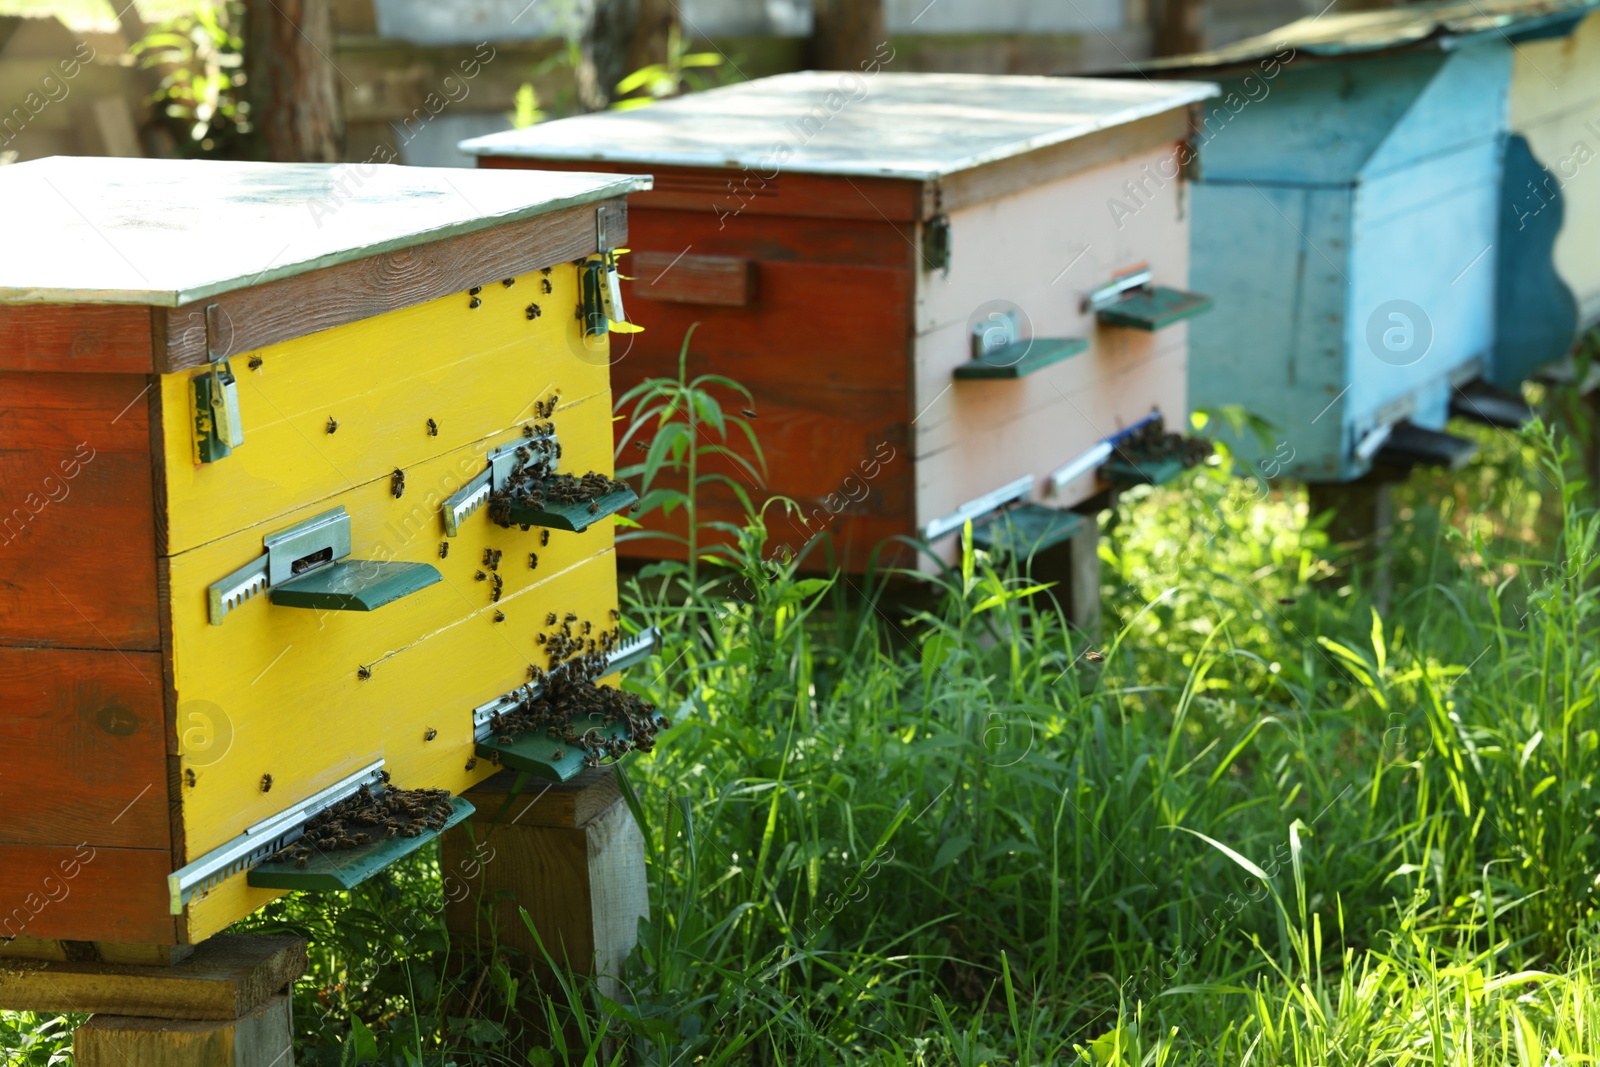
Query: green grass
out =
(1270, 826)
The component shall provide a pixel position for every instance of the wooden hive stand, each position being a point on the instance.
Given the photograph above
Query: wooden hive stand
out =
(226, 1003)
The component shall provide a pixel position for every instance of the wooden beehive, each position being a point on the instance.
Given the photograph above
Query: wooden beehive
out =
(899, 267)
(1347, 222)
(197, 359)
(1550, 215)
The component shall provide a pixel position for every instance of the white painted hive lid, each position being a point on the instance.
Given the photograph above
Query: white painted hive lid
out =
(916, 126)
(167, 232)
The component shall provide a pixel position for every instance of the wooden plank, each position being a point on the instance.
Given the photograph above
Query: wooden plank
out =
(476, 372)
(77, 517)
(685, 279)
(294, 307)
(1007, 177)
(228, 977)
(83, 748)
(84, 893)
(729, 194)
(545, 803)
(66, 337)
(264, 1038)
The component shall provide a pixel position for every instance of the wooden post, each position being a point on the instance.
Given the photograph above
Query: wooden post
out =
(264, 1038)
(1074, 565)
(569, 853)
(1363, 519)
(226, 1004)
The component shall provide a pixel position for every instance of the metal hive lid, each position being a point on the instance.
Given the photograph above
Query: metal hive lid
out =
(914, 126)
(166, 232)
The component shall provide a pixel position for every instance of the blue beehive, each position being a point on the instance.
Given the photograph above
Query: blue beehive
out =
(1347, 221)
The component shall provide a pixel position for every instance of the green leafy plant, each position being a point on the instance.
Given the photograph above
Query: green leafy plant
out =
(199, 100)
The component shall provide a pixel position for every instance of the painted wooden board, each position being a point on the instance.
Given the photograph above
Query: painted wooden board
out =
(95, 340)
(170, 232)
(914, 126)
(85, 893)
(1555, 104)
(332, 872)
(263, 1038)
(269, 672)
(83, 750)
(476, 372)
(722, 281)
(77, 518)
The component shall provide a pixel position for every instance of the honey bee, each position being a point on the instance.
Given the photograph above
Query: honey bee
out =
(550, 619)
(363, 673)
(1094, 657)
(747, 413)
(189, 777)
(474, 303)
(545, 271)
(615, 614)
(594, 507)
(397, 483)
(533, 312)
(499, 616)
(333, 425)
(255, 362)
(545, 287)
(266, 783)
(571, 617)
(585, 625)
(302, 861)
(558, 754)
(475, 290)
(480, 577)
(544, 538)
(429, 734)
(641, 446)
(433, 428)
(508, 282)
(533, 560)
(472, 763)
(444, 549)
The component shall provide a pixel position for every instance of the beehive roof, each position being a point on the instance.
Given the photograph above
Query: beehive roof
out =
(166, 232)
(915, 126)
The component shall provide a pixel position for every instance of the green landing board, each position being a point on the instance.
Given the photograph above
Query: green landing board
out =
(1026, 529)
(1022, 358)
(329, 871)
(535, 751)
(1153, 309)
(574, 517)
(1121, 471)
(355, 585)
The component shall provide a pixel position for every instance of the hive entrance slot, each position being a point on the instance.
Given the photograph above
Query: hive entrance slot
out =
(315, 559)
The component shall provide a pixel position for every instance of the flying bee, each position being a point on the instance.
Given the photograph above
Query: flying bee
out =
(189, 777)
(429, 734)
(333, 425)
(533, 312)
(255, 362)
(397, 483)
(747, 413)
(1094, 657)
(641, 446)
(363, 673)
(266, 783)
(433, 428)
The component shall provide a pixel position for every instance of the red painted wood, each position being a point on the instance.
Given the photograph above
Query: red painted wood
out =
(77, 517)
(85, 893)
(106, 339)
(775, 239)
(722, 281)
(83, 748)
(727, 195)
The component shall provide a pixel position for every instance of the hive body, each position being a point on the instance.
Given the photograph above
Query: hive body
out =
(142, 732)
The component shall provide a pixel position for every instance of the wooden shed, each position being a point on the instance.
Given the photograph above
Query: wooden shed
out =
(253, 507)
(946, 292)
(1347, 219)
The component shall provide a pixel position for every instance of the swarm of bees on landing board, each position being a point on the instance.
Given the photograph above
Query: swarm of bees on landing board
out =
(1152, 443)
(569, 705)
(534, 484)
(367, 817)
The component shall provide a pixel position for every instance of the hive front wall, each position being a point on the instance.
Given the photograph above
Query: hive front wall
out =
(1040, 251)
